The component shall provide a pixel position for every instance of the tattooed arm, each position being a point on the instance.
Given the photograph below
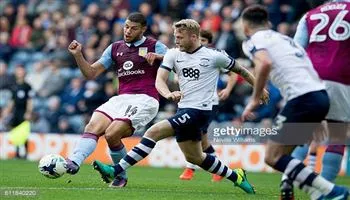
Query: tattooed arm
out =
(245, 73)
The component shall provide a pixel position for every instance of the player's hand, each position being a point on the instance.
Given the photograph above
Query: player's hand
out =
(248, 113)
(75, 48)
(174, 96)
(151, 57)
(265, 97)
(224, 94)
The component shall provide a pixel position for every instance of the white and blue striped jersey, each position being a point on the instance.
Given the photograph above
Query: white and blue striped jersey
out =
(198, 74)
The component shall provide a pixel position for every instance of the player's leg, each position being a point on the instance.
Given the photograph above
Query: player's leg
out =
(114, 133)
(311, 107)
(301, 176)
(320, 135)
(206, 146)
(188, 172)
(331, 161)
(337, 118)
(300, 152)
(157, 132)
(134, 111)
(312, 155)
(88, 141)
(193, 152)
(209, 149)
(287, 191)
(278, 157)
(189, 125)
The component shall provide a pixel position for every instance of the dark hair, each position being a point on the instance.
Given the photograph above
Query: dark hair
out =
(206, 34)
(138, 18)
(256, 15)
(315, 3)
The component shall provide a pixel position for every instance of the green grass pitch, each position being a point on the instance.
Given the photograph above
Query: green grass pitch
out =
(144, 183)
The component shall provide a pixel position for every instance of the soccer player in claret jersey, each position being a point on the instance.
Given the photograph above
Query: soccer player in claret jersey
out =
(291, 70)
(206, 39)
(324, 33)
(198, 70)
(137, 60)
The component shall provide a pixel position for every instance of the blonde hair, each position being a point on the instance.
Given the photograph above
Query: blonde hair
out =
(188, 25)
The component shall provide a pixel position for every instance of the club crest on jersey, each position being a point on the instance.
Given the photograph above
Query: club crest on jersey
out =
(128, 65)
(143, 51)
(204, 62)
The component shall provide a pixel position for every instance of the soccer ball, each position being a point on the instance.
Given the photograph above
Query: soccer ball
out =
(52, 166)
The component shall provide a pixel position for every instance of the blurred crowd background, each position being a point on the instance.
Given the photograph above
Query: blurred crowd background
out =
(34, 35)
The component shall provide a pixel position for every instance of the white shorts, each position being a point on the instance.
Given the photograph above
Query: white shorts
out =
(339, 95)
(136, 109)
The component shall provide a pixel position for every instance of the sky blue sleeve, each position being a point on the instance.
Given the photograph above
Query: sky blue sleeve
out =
(106, 58)
(301, 35)
(161, 48)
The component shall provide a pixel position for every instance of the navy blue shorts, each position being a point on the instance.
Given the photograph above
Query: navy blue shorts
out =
(300, 116)
(214, 112)
(188, 123)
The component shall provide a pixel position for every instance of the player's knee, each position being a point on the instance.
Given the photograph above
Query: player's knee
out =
(205, 143)
(94, 127)
(269, 160)
(153, 133)
(157, 132)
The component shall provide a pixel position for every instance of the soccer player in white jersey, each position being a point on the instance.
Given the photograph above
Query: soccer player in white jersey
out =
(325, 30)
(291, 70)
(206, 39)
(198, 70)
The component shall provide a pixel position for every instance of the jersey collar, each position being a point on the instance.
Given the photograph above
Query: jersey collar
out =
(195, 50)
(137, 43)
(258, 31)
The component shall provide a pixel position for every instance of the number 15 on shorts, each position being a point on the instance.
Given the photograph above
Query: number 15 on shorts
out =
(182, 119)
